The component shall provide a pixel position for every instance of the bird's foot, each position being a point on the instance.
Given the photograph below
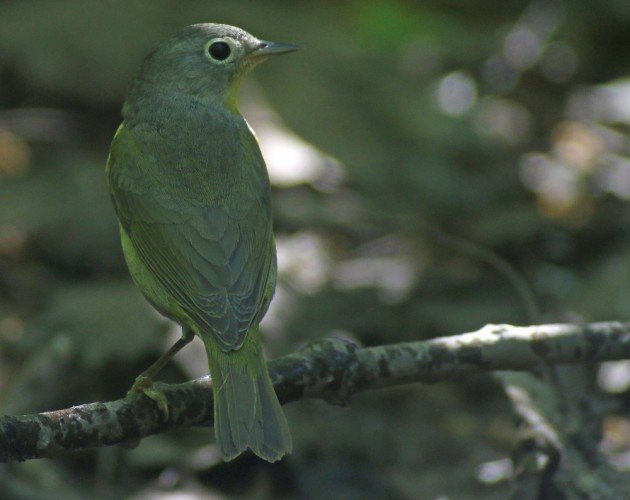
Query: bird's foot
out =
(144, 385)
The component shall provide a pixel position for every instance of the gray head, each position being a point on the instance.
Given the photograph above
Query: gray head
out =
(206, 61)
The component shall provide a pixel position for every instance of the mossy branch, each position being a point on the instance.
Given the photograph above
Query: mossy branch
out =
(331, 369)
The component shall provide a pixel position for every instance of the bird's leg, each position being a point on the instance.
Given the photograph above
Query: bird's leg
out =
(152, 371)
(144, 381)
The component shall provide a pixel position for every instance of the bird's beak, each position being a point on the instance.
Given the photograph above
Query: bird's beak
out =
(272, 48)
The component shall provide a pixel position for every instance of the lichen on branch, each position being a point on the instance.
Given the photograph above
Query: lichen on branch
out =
(331, 369)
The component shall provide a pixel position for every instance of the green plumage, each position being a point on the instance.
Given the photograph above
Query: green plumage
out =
(192, 194)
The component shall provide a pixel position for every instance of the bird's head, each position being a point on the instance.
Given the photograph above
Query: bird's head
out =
(206, 61)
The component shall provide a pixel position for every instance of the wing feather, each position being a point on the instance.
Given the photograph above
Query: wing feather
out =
(215, 265)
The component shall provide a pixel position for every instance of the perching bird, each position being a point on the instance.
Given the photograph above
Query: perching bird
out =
(192, 194)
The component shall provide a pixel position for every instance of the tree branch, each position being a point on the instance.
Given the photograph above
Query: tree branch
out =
(331, 369)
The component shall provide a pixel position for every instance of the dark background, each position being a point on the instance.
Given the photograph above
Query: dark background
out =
(505, 124)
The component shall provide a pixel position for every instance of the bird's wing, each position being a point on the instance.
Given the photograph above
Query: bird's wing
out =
(216, 267)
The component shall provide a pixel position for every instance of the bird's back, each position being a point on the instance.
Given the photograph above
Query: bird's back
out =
(192, 194)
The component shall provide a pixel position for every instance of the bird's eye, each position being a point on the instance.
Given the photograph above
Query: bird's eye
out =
(222, 50)
(219, 51)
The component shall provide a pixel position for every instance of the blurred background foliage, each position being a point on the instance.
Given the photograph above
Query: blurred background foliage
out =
(503, 123)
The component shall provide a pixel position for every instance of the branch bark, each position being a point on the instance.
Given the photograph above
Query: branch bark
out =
(332, 369)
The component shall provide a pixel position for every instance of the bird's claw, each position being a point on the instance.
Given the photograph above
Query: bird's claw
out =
(144, 385)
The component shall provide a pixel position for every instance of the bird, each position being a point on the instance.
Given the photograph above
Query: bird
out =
(192, 194)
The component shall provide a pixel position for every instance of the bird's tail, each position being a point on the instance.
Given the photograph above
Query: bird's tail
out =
(247, 413)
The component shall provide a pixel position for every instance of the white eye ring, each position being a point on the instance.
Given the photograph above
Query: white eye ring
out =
(220, 50)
